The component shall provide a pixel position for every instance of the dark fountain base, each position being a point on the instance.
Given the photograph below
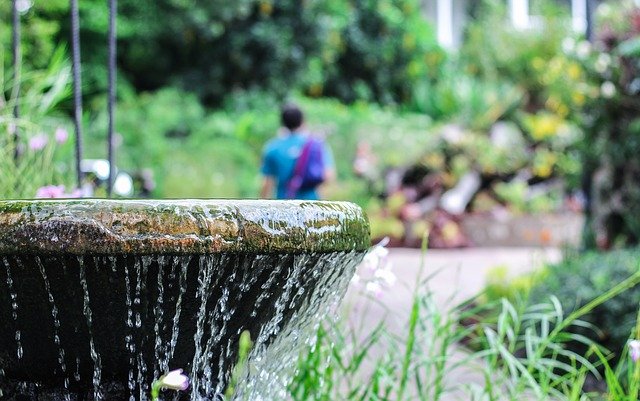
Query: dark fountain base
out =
(98, 298)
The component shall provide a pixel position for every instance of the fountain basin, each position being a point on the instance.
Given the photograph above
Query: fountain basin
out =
(98, 297)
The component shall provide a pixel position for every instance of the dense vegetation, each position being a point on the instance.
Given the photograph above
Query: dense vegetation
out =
(365, 50)
(199, 86)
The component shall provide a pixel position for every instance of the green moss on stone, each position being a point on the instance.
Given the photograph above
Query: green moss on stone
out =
(91, 226)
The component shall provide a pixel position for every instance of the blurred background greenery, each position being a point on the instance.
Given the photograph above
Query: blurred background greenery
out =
(200, 85)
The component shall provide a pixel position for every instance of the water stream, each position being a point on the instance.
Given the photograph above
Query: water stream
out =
(114, 323)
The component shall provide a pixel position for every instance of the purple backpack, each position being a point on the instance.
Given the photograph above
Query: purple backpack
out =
(308, 172)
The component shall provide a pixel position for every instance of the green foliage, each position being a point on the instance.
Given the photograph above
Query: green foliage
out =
(612, 123)
(30, 158)
(170, 132)
(580, 278)
(520, 355)
(516, 289)
(459, 97)
(217, 47)
(42, 27)
(497, 50)
(379, 50)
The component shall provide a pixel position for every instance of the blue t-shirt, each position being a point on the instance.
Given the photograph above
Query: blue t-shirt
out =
(279, 160)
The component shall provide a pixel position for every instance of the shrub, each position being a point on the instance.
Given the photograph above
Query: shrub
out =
(379, 51)
(612, 124)
(580, 278)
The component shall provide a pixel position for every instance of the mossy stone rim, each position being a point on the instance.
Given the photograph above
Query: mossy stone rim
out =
(189, 226)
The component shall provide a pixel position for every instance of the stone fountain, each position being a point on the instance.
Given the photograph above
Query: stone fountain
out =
(99, 297)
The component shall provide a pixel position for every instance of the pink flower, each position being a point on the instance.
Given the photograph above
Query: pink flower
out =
(61, 135)
(76, 193)
(50, 191)
(634, 350)
(56, 191)
(38, 142)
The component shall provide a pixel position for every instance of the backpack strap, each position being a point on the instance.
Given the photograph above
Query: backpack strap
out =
(295, 182)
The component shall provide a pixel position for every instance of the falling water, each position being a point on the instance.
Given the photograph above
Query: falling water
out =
(56, 324)
(14, 307)
(95, 356)
(271, 365)
(104, 326)
(128, 338)
(158, 312)
(176, 318)
(280, 299)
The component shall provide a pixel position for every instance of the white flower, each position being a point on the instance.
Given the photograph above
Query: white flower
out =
(174, 380)
(386, 276)
(583, 49)
(376, 257)
(608, 90)
(568, 45)
(373, 287)
(23, 6)
(602, 63)
(634, 350)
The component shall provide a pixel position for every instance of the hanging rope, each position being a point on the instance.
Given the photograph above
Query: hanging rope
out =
(77, 86)
(15, 44)
(112, 89)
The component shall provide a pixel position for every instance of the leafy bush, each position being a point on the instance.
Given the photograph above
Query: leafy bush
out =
(580, 278)
(379, 50)
(462, 98)
(369, 50)
(612, 122)
(497, 50)
(170, 132)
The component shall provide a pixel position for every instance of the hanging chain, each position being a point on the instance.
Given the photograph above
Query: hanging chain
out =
(77, 86)
(112, 89)
(16, 75)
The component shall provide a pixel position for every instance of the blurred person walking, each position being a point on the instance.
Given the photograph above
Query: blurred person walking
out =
(295, 164)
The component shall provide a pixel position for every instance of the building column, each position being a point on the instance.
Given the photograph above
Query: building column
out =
(444, 22)
(519, 11)
(579, 16)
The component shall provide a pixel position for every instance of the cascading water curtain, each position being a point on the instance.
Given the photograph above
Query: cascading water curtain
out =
(15, 44)
(77, 86)
(113, 4)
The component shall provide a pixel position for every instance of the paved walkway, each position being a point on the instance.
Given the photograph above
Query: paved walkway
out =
(455, 275)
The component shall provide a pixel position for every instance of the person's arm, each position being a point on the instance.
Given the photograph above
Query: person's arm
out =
(268, 185)
(268, 171)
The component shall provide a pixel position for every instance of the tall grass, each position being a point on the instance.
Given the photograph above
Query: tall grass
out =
(519, 355)
(23, 168)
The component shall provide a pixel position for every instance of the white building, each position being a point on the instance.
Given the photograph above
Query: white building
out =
(450, 16)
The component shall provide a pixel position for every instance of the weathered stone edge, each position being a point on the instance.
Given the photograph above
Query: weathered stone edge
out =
(99, 226)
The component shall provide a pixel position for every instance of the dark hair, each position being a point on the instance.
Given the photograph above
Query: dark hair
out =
(291, 117)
